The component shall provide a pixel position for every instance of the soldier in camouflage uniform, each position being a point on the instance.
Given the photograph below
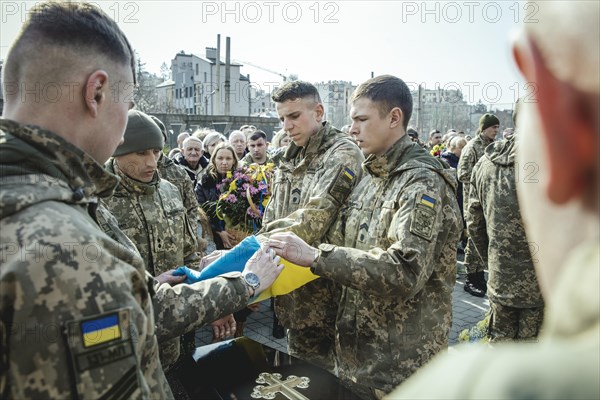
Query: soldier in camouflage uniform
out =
(257, 150)
(169, 171)
(393, 248)
(59, 271)
(76, 317)
(558, 185)
(315, 175)
(471, 153)
(151, 213)
(496, 228)
(150, 209)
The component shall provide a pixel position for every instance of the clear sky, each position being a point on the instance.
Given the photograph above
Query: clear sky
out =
(461, 44)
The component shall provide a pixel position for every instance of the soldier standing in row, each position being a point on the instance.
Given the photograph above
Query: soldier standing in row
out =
(496, 228)
(393, 248)
(316, 173)
(471, 153)
(175, 174)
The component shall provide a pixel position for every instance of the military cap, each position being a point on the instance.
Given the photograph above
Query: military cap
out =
(488, 120)
(142, 133)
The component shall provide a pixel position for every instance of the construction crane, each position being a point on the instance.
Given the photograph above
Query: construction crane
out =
(285, 78)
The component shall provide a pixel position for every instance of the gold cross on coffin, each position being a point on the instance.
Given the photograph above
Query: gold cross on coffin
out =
(276, 385)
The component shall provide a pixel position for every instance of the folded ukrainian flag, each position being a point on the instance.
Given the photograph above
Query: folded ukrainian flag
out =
(291, 278)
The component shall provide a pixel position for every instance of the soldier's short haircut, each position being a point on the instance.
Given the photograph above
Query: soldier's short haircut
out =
(296, 90)
(388, 92)
(82, 28)
(258, 134)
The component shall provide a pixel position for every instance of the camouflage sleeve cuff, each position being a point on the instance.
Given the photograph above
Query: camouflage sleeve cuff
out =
(324, 250)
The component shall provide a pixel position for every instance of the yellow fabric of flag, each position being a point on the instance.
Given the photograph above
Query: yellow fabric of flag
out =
(291, 278)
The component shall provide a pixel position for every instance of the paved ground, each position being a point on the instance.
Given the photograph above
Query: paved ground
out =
(467, 311)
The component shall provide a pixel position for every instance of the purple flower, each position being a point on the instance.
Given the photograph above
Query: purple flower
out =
(252, 214)
(238, 175)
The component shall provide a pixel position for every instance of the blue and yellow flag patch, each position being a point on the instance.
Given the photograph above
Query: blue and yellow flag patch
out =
(341, 187)
(428, 201)
(100, 330)
(348, 172)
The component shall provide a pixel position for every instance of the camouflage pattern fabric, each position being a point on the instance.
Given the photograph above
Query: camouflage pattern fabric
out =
(76, 318)
(309, 187)
(184, 308)
(247, 160)
(510, 323)
(563, 365)
(496, 228)
(394, 250)
(169, 171)
(471, 153)
(152, 215)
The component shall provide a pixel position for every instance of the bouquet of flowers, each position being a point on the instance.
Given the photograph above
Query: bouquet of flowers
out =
(477, 333)
(245, 193)
(437, 150)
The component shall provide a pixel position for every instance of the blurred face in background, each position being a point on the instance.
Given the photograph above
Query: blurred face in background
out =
(258, 150)
(285, 140)
(211, 146)
(238, 140)
(192, 151)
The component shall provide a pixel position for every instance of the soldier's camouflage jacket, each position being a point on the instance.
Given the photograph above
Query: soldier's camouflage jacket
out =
(247, 160)
(152, 215)
(471, 153)
(169, 171)
(501, 242)
(394, 250)
(76, 319)
(309, 188)
(183, 308)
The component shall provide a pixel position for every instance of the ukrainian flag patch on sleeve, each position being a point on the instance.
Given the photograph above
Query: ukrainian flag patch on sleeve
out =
(423, 216)
(348, 172)
(428, 201)
(342, 185)
(100, 330)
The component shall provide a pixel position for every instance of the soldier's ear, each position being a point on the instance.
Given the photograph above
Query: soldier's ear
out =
(320, 112)
(96, 91)
(396, 117)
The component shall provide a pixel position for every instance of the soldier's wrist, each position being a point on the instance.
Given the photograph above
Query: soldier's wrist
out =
(315, 260)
